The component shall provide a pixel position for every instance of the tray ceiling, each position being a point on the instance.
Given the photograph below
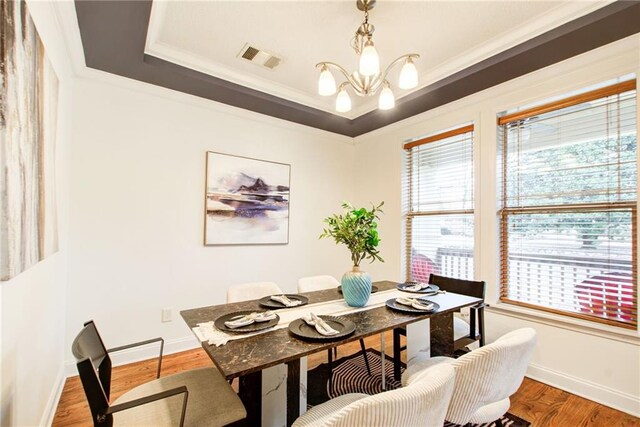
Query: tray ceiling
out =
(449, 36)
(466, 47)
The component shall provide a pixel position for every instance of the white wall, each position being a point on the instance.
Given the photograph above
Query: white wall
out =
(137, 207)
(597, 362)
(32, 305)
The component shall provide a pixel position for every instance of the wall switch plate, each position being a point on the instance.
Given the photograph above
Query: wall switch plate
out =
(167, 314)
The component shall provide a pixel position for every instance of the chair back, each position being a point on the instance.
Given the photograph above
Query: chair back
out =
(94, 368)
(317, 283)
(249, 291)
(463, 287)
(422, 403)
(490, 374)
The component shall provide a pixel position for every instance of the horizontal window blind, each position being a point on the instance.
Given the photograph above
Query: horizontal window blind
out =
(568, 206)
(438, 205)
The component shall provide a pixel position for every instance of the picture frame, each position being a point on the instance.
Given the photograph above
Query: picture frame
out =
(246, 201)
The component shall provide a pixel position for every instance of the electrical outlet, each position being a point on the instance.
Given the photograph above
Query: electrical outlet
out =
(166, 314)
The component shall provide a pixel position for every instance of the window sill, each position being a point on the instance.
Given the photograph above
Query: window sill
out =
(582, 326)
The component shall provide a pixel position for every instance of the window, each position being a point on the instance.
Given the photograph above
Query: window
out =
(438, 205)
(568, 206)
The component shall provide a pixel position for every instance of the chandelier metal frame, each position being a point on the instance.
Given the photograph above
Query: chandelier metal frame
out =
(365, 85)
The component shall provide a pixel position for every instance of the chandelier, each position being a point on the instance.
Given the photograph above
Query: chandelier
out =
(367, 80)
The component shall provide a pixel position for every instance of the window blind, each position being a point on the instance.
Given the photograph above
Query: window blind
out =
(568, 206)
(438, 198)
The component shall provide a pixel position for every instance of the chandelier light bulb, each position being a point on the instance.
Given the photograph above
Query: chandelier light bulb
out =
(369, 60)
(343, 101)
(408, 75)
(386, 101)
(368, 80)
(326, 82)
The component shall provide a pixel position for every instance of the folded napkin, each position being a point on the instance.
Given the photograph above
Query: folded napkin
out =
(282, 299)
(416, 287)
(240, 321)
(321, 326)
(415, 303)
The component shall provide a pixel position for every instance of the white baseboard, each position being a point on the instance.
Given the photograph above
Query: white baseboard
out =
(604, 395)
(52, 403)
(141, 353)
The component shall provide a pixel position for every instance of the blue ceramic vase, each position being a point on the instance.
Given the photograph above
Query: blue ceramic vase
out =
(356, 287)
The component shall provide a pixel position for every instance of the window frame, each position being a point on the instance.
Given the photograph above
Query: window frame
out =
(409, 215)
(504, 212)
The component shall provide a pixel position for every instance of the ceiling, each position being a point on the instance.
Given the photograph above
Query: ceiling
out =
(449, 36)
(466, 47)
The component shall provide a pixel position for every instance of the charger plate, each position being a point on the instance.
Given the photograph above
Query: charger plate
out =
(253, 327)
(299, 329)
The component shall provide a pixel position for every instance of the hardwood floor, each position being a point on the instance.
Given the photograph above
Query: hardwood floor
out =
(536, 402)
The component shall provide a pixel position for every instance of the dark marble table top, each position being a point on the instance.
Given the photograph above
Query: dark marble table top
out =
(252, 354)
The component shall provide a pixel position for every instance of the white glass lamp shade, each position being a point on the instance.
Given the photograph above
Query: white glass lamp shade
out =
(408, 75)
(343, 102)
(369, 60)
(326, 82)
(386, 101)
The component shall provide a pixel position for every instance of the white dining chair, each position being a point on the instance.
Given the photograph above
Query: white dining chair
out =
(249, 291)
(422, 403)
(318, 283)
(485, 377)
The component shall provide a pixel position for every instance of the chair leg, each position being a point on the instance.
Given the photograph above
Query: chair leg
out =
(366, 358)
(330, 372)
(396, 354)
(481, 325)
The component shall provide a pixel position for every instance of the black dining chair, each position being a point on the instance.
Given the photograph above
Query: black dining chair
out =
(464, 333)
(192, 398)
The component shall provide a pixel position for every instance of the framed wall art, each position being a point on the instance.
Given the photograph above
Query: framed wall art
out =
(28, 119)
(246, 201)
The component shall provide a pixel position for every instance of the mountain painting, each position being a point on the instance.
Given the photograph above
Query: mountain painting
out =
(247, 201)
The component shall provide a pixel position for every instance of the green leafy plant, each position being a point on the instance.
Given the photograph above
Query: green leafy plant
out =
(357, 229)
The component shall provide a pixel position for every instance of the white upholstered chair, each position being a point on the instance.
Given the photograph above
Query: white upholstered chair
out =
(317, 283)
(485, 377)
(249, 291)
(422, 403)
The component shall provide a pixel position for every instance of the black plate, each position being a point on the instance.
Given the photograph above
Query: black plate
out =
(268, 302)
(299, 329)
(431, 289)
(392, 304)
(253, 327)
(374, 289)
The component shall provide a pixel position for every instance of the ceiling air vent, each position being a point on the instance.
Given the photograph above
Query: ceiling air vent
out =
(259, 57)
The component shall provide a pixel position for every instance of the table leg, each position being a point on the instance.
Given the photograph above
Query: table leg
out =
(293, 391)
(250, 392)
(383, 360)
(442, 335)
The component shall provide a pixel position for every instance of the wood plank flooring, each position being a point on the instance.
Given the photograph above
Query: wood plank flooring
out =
(536, 402)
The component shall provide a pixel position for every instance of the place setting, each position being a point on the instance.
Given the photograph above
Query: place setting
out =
(246, 321)
(420, 288)
(283, 301)
(321, 328)
(412, 305)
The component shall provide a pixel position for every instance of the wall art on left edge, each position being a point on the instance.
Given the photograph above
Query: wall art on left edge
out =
(28, 115)
(246, 202)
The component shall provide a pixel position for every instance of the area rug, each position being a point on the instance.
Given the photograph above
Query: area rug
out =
(350, 376)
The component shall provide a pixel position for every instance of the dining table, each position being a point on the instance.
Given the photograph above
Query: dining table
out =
(247, 358)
